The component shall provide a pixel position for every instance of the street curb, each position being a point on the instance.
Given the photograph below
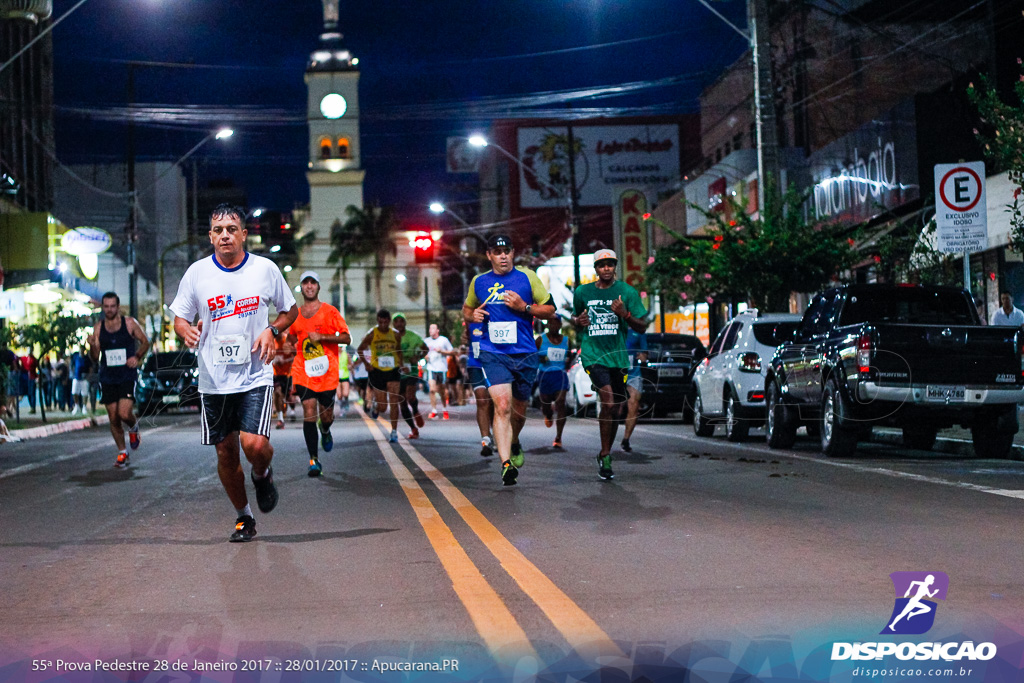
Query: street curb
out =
(60, 427)
(943, 444)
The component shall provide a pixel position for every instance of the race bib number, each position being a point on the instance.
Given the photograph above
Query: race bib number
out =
(317, 367)
(476, 349)
(231, 349)
(503, 333)
(386, 362)
(556, 355)
(116, 357)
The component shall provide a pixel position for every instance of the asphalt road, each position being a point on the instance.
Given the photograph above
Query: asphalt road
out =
(702, 554)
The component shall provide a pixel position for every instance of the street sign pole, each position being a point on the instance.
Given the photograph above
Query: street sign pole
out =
(961, 214)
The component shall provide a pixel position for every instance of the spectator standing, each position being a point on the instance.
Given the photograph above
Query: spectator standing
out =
(1007, 313)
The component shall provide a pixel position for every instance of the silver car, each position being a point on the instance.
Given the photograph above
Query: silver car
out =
(729, 383)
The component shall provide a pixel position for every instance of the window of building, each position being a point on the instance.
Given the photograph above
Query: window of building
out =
(343, 148)
(325, 148)
(737, 141)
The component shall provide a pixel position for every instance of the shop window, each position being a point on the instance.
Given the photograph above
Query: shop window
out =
(325, 148)
(343, 148)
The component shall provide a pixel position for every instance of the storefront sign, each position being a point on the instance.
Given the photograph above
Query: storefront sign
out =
(631, 236)
(605, 157)
(84, 240)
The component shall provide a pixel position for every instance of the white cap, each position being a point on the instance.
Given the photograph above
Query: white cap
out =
(309, 273)
(605, 254)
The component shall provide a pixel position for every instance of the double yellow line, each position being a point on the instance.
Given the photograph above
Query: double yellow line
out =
(490, 615)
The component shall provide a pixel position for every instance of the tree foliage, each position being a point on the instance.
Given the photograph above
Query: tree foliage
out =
(1002, 135)
(760, 261)
(366, 232)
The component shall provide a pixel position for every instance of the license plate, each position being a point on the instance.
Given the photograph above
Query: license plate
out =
(171, 399)
(952, 394)
(671, 372)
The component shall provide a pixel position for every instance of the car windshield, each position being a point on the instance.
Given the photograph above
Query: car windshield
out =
(170, 360)
(671, 345)
(773, 334)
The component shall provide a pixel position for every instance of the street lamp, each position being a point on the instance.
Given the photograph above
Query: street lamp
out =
(437, 208)
(478, 140)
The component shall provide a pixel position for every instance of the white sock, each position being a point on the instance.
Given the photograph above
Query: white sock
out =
(246, 511)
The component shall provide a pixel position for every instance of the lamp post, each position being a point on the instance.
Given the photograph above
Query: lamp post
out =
(478, 140)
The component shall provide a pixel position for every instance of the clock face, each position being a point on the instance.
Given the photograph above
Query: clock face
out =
(333, 106)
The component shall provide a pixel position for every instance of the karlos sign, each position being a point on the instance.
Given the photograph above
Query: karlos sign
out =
(632, 238)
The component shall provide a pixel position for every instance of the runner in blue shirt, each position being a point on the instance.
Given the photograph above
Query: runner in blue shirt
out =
(553, 351)
(508, 298)
(478, 381)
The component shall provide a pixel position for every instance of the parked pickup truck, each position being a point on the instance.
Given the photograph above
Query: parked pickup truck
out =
(904, 355)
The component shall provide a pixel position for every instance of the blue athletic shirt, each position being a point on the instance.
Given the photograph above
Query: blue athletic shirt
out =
(476, 335)
(507, 331)
(552, 356)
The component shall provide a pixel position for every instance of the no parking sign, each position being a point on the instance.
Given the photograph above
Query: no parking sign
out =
(960, 210)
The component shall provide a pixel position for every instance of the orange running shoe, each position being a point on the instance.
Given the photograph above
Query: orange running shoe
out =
(122, 459)
(445, 414)
(134, 439)
(414, 434)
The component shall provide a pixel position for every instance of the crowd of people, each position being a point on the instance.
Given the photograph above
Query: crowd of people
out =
(253, 370)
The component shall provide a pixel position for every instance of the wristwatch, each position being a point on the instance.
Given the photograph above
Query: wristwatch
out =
(274, 331)
(527, 309)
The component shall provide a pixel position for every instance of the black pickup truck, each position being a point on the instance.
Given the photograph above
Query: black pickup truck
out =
(903, 355)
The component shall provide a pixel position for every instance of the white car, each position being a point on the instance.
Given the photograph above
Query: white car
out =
(729, 383)
(582, 394)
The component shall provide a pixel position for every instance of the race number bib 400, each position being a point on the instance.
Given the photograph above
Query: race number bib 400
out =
(231, 349)
(556, 355)
(503, 333)
(116, 357)
(317, 367)
(386, 362)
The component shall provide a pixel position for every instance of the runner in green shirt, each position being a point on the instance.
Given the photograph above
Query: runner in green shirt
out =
(413, 348)
(603, 311)
(343, 383)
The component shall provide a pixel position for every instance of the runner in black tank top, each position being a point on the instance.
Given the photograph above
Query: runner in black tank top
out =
(118, 352)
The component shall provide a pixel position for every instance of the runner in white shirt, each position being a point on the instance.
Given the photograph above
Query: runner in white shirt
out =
(439, 348)
(230, 292)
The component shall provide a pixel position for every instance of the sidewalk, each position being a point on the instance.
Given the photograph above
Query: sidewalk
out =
(57, 421)
(955, 440)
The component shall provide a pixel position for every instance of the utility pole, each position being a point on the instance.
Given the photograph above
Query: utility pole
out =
(133, 214)
(573, 210)
(193, 229)
(764, 99)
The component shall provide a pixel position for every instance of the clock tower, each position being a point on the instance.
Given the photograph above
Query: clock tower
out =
(335, 172)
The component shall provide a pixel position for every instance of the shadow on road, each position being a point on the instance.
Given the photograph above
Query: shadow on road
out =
(107, 476)
(613, 510)
(220, 540)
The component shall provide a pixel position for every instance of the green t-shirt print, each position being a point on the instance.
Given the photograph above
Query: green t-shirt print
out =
(604, 340)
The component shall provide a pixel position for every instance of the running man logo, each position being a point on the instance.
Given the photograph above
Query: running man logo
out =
(914, 612)
(494, 294)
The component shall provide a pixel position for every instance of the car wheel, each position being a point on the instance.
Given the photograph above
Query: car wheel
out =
(780, 428)
(701, 425)
(736, 428)
(837, 440)
(919, 437)
(989, 442)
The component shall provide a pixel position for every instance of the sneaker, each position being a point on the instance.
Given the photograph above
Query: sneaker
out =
(486, 446)
(326, 441)
(419, 420)
(394, 436)
(279, 425)
(548, 421)
(245, 530)
(604, 467)
(517, 454)
(433, 415)
(414, 434)
(557, 443)
(75, 411)
(134, 439)
(509, 472)
(626, 447)
(374, 413)
(122, 459)
(266, 492)
(445, 415)
(315, 468)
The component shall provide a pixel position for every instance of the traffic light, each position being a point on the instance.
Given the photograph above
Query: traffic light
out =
(423, 247)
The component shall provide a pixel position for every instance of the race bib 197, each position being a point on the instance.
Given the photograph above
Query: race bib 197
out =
(317, 367)
(503, 332)
(116, 357)
(231, 349)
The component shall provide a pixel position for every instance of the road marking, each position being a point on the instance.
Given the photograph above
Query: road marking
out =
(490, 615)
(1009, 493)
(21, 469)
(580, 631)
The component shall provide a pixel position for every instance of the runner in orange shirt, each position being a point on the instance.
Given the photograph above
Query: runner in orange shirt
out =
(284, 356)
(316, 333)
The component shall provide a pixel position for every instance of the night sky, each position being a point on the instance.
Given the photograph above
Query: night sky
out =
(414, 57)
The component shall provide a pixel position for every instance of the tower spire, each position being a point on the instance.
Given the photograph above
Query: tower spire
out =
(330, 15)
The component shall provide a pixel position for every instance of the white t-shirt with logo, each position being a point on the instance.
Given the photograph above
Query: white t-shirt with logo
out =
(233, 306)
(435, 361)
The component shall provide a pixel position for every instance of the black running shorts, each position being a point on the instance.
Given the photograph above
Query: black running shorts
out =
(115, 391)
(324, 398)
(248, 411)
(603, 376)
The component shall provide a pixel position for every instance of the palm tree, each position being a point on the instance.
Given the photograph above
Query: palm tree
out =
(365, 232)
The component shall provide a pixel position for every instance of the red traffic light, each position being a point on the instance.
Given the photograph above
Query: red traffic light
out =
(423, 247)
